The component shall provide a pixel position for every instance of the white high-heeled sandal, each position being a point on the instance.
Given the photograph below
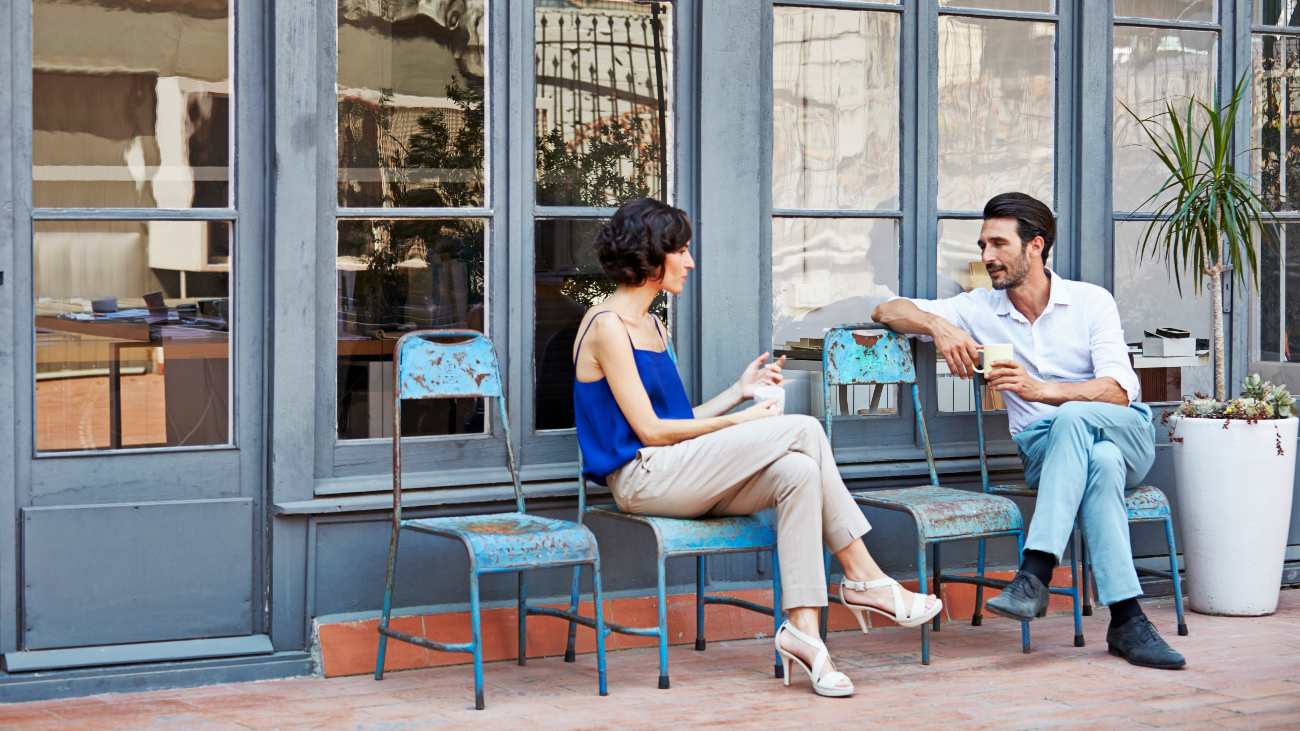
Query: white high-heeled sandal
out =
(825, 681)
(915, 616)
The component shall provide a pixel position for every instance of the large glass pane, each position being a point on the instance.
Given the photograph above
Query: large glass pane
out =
(395, 276)
(1277, 12)
(117, 122)
(603, 101)
(835, 106)
(130, 351)
(1275, 141)
(1148, 299)
(1152, 66)
(828, 272)
(997, 99)
(1272, 290)
(960, 270)
(1202, 11)
(410, 103)
(1042, 6)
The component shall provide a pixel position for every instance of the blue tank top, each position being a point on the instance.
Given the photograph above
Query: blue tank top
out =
(604, 435)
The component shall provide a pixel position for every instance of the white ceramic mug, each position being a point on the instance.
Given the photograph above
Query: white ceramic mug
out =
(994, 353)
(770, 391)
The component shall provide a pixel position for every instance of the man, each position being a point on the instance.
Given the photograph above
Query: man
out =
(1073, 403)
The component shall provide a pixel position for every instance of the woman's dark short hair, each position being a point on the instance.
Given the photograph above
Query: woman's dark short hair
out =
(632, 246)
(1033, 218)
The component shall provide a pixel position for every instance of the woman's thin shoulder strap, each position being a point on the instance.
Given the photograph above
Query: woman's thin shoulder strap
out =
(578, 348)
(663, 335)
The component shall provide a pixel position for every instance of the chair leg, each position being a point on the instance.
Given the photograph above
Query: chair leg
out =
(1024, 626)
(663, 623)
(938, 582)
(977, 617)
(522, 582)
(778, 614)
(921, 581)
(1076, 597)
(389, 579)
(1085, 583)
(1173, 575)
(570, 653)
(476, 640)
(701, 567)
(598, 600)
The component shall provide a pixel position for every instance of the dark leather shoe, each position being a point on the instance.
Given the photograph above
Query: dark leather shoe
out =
(1023, 599)
(1138, 642)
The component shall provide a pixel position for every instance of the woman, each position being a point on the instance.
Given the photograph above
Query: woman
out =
(659, 456)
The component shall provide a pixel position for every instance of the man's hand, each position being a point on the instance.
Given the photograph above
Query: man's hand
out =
(1006, 375)
(958, 348)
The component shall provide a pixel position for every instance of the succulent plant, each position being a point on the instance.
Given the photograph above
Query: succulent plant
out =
(1260, 399)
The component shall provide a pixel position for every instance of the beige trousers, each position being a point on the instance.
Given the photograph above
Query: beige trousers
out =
(781, 462)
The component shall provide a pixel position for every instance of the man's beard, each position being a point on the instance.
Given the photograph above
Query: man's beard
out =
(1014, 277)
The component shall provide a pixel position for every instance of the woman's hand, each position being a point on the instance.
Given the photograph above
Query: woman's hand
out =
(760, 410)
(760, 373)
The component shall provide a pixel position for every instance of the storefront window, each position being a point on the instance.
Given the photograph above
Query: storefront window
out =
(603, 112)
(1154, 66)
(1275, 145)
(836, 147)
(412, 135)
(132, 316)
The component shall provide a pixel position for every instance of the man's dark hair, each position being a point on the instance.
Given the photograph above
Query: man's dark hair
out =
(1033, 218)
(632, 246)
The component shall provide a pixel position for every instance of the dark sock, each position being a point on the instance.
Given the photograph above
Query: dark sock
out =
(1039, 564)
(1123, 611)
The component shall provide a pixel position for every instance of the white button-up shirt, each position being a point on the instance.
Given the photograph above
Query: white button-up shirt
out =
(1077, 338)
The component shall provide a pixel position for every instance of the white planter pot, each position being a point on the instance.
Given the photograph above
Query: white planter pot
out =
(1234, 506)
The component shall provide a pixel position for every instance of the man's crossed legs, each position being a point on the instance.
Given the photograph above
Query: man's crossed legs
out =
(1081, 460)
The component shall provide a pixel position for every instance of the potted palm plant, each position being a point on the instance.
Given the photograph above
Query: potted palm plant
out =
(1234, 460)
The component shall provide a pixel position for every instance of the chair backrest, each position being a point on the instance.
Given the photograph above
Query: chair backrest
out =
(446, 364)
(865, 354)
(979, 430)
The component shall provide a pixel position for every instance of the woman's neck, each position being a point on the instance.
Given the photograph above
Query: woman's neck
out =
(632, 303)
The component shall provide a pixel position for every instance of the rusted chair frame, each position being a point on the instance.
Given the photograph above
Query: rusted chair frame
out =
(477, 375)
(1139, 510)
(904, 372)
(701, 538)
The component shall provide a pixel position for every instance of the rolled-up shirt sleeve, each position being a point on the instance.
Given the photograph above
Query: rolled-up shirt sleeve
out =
(949, 308)
(1109, 351)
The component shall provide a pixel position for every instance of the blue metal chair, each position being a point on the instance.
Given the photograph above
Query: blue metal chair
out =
(463, 364)
(700, 538)
(1144, 504)
(864, 355)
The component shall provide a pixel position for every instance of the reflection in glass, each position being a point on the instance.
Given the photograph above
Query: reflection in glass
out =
(1202, 11)
(395, 276)
(1148, 299)
(1277, 12)
(835, 101)
(410, 103)
(828, 272)
(1276, 126)
(1152, 65)
(1279, 301)
(997, 98)
(568, 281)
(960, 270)
(603, 102)
(1041, 6)
(120, 123)
(129, 353)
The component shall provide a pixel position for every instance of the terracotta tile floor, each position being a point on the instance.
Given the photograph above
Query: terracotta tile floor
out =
(1242, 673)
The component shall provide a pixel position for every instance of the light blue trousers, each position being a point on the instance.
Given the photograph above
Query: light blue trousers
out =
(1081, 460)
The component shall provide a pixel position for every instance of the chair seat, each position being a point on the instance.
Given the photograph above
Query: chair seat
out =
(1144, 502)
(513, 540)
(704, 535)
(943, 512)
